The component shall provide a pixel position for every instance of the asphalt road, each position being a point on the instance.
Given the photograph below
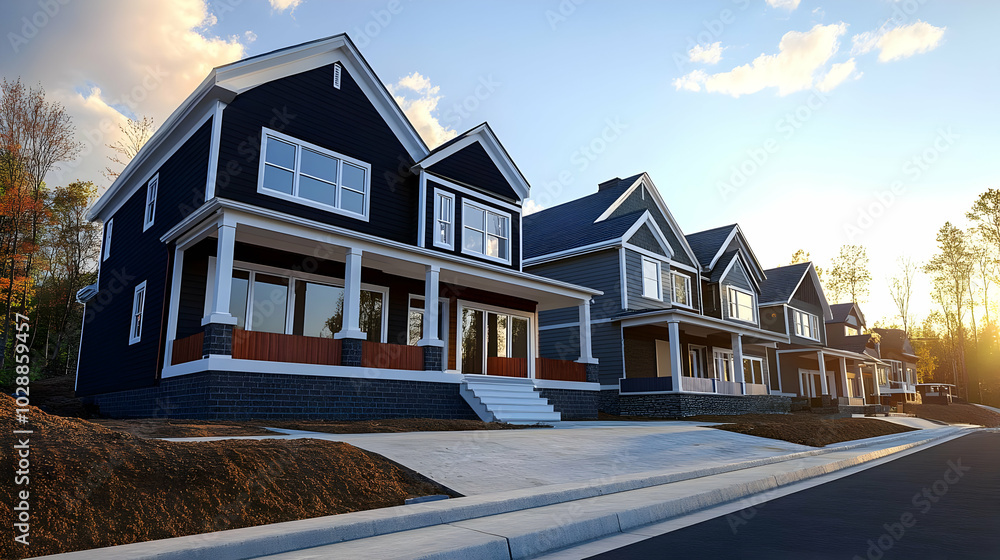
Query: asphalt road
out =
(943, 502)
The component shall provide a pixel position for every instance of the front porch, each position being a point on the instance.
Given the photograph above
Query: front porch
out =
(829, 378)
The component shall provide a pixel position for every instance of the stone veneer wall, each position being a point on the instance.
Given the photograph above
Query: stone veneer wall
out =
(221, 395)
(573, 405)
(679, 405)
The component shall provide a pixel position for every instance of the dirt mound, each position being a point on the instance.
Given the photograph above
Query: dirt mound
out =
(805, 428)
(91, 486)
(956, 414)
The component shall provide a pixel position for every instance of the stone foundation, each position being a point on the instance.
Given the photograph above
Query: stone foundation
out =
(680, 405)
(573, 405)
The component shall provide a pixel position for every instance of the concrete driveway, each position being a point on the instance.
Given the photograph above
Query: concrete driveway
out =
(483, 462)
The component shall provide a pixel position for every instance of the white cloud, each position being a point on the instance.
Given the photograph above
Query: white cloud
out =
(419, 99)
(837, 74)
(801, 55)
(789, 5)
(282, 5)
(900, 42)
(249, 36)
(711, 54)
(530, 207)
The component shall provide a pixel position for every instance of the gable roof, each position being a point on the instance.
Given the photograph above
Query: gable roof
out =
(484, 136)
(896, 339)
(842, 310)
(713, 244)
(782, 283)
(723, 265)
(225, 82)
(706, 244)
(855, 343)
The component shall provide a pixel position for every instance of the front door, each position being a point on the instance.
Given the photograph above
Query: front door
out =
(663, 358)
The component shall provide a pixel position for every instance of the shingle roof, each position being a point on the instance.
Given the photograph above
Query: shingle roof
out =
(780, 283)
(723, 263)
(855, 343)
(706, 244)
(571, 224)
(840, 312)
(895, 339)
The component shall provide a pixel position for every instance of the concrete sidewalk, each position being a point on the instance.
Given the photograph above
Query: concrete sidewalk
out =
(526, 522)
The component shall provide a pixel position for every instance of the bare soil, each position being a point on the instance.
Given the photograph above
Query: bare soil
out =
(91, 486)
(955, 414)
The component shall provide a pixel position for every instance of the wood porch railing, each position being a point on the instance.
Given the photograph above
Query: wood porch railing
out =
(698, 384)
(755, 389)
(187, 349)
(728, 387)
(560, 370)
(391, 356)
(507, 367)
(252, 345)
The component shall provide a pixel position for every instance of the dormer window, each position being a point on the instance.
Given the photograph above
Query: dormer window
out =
(806, 324)
(740, 305)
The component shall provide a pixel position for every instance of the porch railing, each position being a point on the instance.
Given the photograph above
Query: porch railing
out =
(271, 347)
(187, 349)
(560, 370)
(698, 385)
(391, 356)
(850, 401)
(755, 389)
(728, 387)
(507, 367)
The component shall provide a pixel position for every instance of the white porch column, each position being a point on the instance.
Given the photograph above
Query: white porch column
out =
(822, 373)
(175, 300)
(223, 277)
(586, 346)
(431, 278)
(861, 385)
(352, 296)
(737, 343)
(676, 364)
(842, 362)
(878, 388)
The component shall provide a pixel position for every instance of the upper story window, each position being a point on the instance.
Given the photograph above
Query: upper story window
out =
(444, 219)
(107, 239)
(682, 288)
(150, 214)
(138, 305)
(806, 324)
(740, 305)
(650, 278)
(850, 331)
(307, 174)
(485, 232)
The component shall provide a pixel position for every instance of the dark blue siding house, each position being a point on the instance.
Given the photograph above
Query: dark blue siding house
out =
(287, 246)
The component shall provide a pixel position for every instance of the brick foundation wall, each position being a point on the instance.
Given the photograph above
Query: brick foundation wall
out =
(573, 405)
(608, 402)
(679, 405)
(219, 395)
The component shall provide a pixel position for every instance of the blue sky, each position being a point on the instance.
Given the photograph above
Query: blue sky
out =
(810, 146)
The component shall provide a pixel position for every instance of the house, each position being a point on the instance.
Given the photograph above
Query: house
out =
(286, 245)
(676, 328)
(898, 384)
(936, 393)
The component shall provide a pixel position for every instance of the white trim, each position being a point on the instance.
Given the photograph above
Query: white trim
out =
(647, 218)
(439, 194)
(138, 309)
(743, 245)
(753, 304)
(646, 252)
(487, 197)
(496, 152)
(570, 385)
(729, 268)
(338, 186)
(109, 229)
(152, 188)
(623, 277)
(654, 316)
(574, 324)
(422, 209)
(213, 150)
(220, 363)
(659, 278)
(461, 305)
(485, 231)
(673, 291)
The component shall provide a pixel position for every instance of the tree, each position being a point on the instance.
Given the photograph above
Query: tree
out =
(849, 275)
(951, 269)
(985, 217)
(901, 289)
(135, 134)
(802, 256)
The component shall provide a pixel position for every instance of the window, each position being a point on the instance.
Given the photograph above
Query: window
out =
(151, 189)
(897, 369)
(753, 370)
(485, 233)
(682, 288)
(740, 305)
(911, 376)
(724, 368)
(696, 361)
(314, 176)
(107, 239)
(138, 304)
(883, 375)
(444, 220)
(650, 278)
(488, 334)
(850, 331)
(415, 321)
(806, 324)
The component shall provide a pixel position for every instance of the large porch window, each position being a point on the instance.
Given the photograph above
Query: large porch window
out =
(753, 370)
(415, 321)
(490, 334)
(725, 368)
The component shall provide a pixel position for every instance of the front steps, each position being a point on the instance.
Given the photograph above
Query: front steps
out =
(507, 399)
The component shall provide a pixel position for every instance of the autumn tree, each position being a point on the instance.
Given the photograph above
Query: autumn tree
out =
(901, 289)
(802, 256)
(849, 276)
(135, 134)
(951, 270)
(985, 221)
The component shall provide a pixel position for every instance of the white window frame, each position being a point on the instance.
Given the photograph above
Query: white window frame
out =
(486, 235)
(733, 304)
(748, 374)
(696, 355)
(460, 332)
(341, 159)
(726, 356)
(108, 230)
(687, 289)
(450, 220)
(659, 279)
(442, 319)
(799, 321)
(138, 314)
(149, 210)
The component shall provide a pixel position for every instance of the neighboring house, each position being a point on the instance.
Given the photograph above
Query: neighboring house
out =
(287, 245)
(677, 329)
(898, 384)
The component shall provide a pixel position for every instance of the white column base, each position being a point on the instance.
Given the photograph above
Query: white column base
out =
(219, 319)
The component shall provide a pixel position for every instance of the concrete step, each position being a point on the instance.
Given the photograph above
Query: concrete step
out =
(504, 400)
(498, 388)
(490, 393)
(529, 417)
(503, 409)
